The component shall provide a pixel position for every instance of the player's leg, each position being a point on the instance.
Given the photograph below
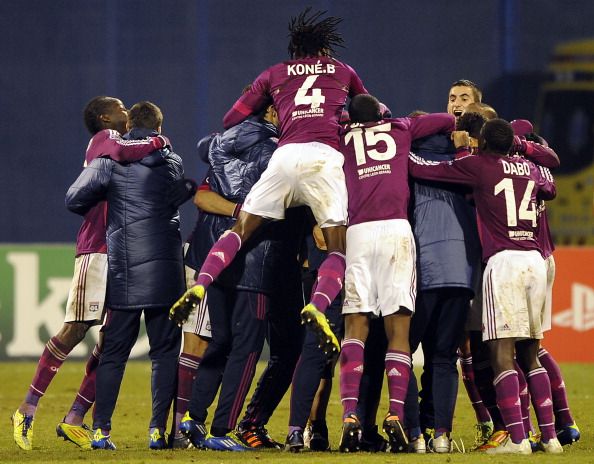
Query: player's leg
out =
(165, 341)
(351, 371)
(285, 339)
(448, 331)
(370, 389)
(567, 430)
(398, 366)
(209, 375)
(322, 187)
(507, 389)
(248, 332)
(120, 333)
(219, 257)
(310, 369)
(196, 337)
(540, 391)
(328, 285)
(56, 350)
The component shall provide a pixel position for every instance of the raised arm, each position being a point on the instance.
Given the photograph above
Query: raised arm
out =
(108, 143)
(463, 171)
(251, 101)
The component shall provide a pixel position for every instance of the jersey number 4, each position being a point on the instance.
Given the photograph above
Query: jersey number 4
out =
(527, 210)
(314, 99)
(365, 139)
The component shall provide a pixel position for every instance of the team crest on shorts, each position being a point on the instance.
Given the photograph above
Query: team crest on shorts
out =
(93, 307)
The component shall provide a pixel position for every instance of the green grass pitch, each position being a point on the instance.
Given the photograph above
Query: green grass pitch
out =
(130, 424)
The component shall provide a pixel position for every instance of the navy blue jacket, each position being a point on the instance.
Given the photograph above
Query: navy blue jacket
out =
(237, 158)
(444, 225)
(144, 245)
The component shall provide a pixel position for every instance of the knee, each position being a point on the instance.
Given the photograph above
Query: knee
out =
(72, 333)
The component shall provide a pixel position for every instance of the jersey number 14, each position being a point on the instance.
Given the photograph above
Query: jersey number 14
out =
(527, 210)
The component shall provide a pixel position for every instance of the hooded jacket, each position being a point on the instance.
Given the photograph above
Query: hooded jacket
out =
(237, 158)
(144, 245)
(444, 225)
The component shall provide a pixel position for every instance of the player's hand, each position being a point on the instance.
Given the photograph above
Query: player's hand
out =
(160, 141)
(186, 305)
(460, 139)
(519, 145)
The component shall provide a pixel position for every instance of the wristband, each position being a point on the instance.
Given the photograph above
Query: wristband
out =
(237, 209)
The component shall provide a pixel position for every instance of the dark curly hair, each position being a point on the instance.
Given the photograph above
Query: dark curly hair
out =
(310, 36)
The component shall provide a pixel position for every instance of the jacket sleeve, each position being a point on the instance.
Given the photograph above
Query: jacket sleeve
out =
(541, 155)
(90, 188)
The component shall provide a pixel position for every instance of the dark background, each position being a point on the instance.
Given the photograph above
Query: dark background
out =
(192, 58)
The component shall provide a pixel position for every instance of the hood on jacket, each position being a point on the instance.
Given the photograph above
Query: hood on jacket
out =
(157, 157)
(238, 139)
(436, 147)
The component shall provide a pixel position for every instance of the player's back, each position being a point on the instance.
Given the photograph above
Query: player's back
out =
(309, 95)
(376, 169)
(506, 197)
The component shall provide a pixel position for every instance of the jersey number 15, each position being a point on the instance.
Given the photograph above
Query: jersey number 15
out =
(365, 139)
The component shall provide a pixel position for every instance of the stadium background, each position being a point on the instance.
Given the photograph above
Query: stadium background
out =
(193, 58)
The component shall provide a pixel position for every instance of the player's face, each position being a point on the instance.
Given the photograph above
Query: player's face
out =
(117, 117)
(459, 98)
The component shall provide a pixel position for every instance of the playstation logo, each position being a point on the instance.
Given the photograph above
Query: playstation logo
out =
(580, 316)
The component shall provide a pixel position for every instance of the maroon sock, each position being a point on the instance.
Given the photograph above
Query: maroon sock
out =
(329, 283)
(186, 373)
(524, 400)
(86, 392)
(508, 400)
(540, 389)
(560, 404)
(51, 360)
(483, 378)
(219, 257)
(398, 372)
(351, 371)
(480, 411)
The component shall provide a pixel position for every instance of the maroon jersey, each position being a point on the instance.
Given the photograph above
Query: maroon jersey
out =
(91, 235)
(506, 192)
(376, 164)
(308, 94)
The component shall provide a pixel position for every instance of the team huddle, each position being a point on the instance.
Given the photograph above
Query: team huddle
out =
(338, 234)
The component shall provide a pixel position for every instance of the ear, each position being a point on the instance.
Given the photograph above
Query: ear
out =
(105, 119)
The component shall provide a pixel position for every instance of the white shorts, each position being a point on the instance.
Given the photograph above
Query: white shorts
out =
(547, 314)
(86, 298)
(199, 321)
(514, 289)
(302, 174)
(381, 275)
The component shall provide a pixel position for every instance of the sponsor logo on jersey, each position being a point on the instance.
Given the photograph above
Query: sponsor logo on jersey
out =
(94, 306)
